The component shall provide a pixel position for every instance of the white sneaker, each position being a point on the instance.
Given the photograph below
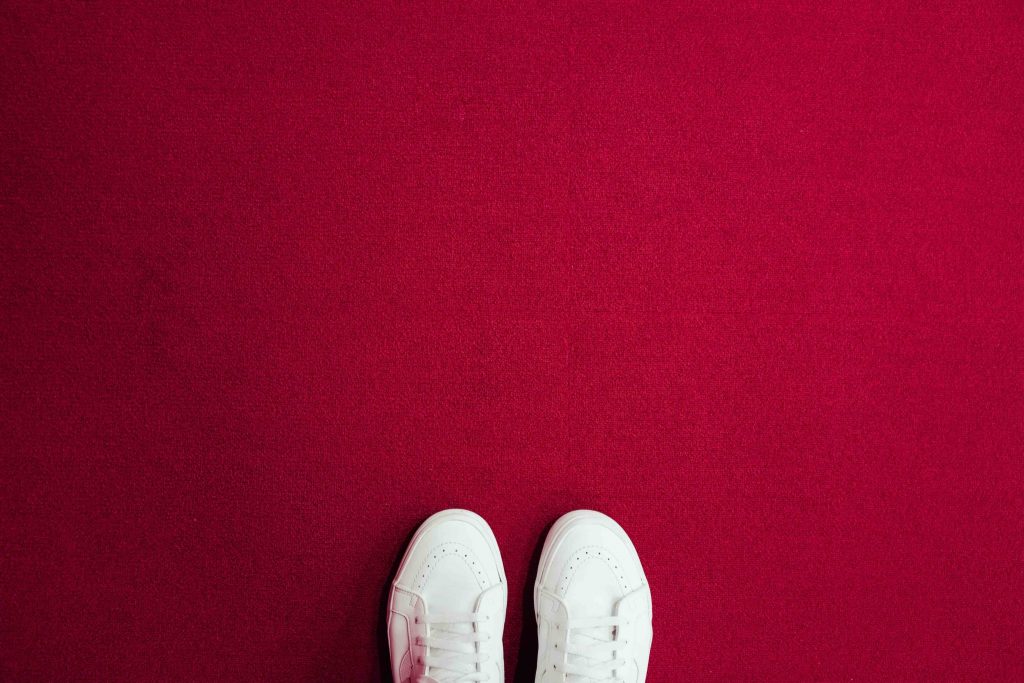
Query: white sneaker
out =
(447, 608)
(592, 603)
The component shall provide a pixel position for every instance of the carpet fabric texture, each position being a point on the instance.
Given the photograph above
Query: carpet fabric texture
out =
(282, 279)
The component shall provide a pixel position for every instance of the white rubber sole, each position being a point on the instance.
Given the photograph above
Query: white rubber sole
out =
(558, 533)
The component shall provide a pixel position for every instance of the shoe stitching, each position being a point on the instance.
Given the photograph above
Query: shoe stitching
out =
(440, 552)
(585, 554)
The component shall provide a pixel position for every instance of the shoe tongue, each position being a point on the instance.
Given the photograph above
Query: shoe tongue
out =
(445, 631)
(483, 603)
(585, 637)
(453, 589)
(594, 592)
(592, 636)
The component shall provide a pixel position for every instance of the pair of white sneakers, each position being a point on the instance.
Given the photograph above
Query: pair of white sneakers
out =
(591, 599)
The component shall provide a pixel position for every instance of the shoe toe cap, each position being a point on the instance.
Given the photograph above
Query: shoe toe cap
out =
(592, 556)
(451, 552)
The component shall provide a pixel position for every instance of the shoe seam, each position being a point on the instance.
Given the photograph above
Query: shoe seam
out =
(563, 584)
(478, 575)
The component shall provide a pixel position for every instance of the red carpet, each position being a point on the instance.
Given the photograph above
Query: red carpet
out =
(280, 282)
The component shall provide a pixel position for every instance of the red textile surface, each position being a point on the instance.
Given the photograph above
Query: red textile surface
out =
(280, 281)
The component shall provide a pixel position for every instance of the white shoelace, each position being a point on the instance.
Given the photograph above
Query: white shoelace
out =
(593, 653)
(452, 655)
